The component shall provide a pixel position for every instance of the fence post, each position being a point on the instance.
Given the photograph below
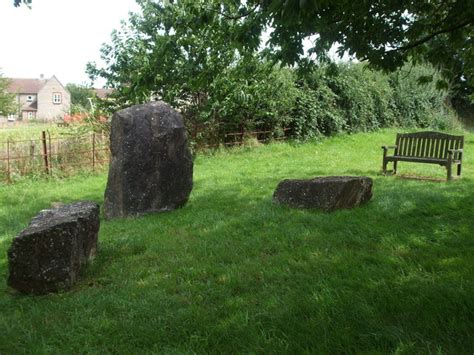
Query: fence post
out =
(106, 138)
(31, 166)
(50, 152)
(93, 151)
(8, 160)
(32, 150)
(45, 152)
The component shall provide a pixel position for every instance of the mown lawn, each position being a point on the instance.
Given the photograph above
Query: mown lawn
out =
(231, 272)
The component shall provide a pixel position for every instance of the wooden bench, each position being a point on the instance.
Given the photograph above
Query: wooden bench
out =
(426, 147)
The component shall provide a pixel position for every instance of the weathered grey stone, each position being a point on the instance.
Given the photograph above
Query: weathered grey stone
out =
(327, 193)
(151, 168)
(48, 255)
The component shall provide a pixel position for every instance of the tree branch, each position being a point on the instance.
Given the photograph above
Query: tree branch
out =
(432, 35)
(238, 17)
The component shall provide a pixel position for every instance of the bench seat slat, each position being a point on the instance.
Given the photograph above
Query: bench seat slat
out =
(421, 151)
(415, 146)
(419, 159)
(433, 143)
(427, 147)
(444, 149)
(435, 155)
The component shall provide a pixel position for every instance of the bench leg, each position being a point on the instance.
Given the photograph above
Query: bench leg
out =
(384, 167)
(459, 169)
(395, 167)
(449, 169)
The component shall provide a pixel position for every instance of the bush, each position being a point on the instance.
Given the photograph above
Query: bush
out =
(249, 96)
(417, 104)
(316, 113)
(351, 97)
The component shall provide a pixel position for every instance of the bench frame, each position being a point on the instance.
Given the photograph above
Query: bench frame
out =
(426, 147)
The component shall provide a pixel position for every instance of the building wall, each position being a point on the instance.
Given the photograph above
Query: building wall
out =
(47, 110)
(22, 100)
(28, 115)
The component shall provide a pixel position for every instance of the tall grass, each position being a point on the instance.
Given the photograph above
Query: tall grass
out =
(232, 272)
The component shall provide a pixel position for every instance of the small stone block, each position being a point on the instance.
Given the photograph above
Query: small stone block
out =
(48, 255)
(326, 193)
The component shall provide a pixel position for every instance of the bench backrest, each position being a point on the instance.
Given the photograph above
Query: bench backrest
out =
(433, 145)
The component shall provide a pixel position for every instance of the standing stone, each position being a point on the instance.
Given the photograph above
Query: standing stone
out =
(326, 193)
(151, 168)
(48, 255)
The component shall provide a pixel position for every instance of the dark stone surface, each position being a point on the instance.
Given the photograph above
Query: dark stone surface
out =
(151, 168)
(327, 193)
(48, 255)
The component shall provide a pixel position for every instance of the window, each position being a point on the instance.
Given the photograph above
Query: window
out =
(11, 117)
(57, 98)
(29, 98)
(31, 115)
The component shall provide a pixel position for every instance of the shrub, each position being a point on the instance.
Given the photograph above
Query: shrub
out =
(316, 113)
(351, 97)
(251, 95)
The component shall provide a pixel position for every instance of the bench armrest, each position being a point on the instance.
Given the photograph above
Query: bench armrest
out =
(455, 153)
(387, 147)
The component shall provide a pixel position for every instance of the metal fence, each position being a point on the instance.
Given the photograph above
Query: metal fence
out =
(65, 155)
(53, 155)
(240, 138)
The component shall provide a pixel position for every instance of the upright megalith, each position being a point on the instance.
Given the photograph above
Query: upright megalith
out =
(48, 255)
(151, 167)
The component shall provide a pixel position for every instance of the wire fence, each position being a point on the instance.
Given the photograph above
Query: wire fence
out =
(239, 138)
(56, 155)
(53, 155)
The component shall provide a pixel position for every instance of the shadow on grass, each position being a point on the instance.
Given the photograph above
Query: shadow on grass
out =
(360, 276)
(234, 272)
(419, 178)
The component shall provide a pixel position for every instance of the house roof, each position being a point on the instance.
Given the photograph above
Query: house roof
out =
(103, 93)
(32, 107)
(26, 86)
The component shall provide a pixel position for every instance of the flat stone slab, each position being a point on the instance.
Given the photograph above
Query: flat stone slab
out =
(48, 255)
(326, 193)
(151, 167)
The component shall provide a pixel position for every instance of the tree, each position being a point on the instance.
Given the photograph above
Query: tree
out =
(164, 52)
(80, 96)
(172, 52)
(25, 2)
(7, 105)
(386, 33)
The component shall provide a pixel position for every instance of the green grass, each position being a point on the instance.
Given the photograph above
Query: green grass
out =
(232, 272)
(30, 131)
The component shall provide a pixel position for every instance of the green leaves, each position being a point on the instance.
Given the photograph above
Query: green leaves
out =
(335, 98)
(7, 105)
(202, 58)
(17, 3)
(80, 95)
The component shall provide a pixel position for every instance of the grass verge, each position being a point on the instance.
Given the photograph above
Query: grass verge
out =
(232, 272)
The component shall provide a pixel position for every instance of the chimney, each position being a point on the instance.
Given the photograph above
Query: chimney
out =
(41, 76)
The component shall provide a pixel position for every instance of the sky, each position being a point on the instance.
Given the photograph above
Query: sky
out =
(57, 37)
